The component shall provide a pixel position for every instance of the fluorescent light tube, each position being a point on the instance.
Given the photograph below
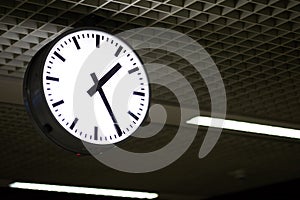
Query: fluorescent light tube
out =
(245, 126)
(84, 190)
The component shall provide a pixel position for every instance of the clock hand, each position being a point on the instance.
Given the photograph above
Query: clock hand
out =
(108, 75)
(117, 127)
(93, 89)
(103, 80)
(98, 87)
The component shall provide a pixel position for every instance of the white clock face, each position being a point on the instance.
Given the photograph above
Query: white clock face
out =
(95, 86)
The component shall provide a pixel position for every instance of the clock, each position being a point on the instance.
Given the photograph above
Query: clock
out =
(86, 86)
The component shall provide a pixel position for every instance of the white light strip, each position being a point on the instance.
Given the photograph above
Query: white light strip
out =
(84, 190)
(245, 126)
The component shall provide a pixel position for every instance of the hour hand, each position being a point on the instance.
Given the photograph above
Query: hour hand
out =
(99, 83)
(108, 75)
(93, 89)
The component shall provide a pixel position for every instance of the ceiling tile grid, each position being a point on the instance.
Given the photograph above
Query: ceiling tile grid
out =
(27, 156)
(254, 43)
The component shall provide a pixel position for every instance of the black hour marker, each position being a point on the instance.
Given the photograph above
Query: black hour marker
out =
(58, 103)
(50, 78)
(118, 51)
(96, 133)
(139, 93)
(59, 56)
(133, 115)
(133, 70)
(97, 41)
(76, 42)
(73, 123)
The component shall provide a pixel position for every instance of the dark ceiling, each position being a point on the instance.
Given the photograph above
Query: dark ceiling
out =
(255, 45)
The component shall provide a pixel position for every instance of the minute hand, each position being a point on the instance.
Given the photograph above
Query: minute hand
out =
(108, 75)
(117, 127)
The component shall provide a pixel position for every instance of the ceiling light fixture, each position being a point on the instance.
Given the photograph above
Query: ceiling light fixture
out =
(84, 190)
(245, 126)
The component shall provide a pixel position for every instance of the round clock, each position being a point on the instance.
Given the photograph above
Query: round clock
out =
(86, 86)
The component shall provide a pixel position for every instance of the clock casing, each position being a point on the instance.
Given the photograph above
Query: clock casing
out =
(86, 86)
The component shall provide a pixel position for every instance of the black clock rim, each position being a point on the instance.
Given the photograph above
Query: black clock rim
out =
(42, 55)
(35, 71)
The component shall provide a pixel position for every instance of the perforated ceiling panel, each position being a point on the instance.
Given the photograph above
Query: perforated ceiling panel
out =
(254, 43)
(239, 161)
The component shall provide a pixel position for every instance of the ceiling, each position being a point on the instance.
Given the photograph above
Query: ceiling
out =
(255, 45)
